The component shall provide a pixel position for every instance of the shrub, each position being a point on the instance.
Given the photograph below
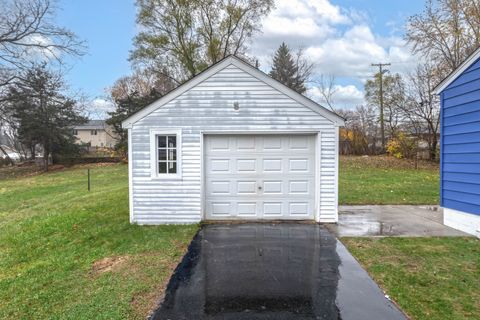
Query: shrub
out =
(402, 146)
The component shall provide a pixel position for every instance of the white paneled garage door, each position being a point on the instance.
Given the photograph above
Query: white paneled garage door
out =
(259, 177)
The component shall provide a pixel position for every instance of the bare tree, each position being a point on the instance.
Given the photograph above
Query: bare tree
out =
(304, 66)
(393, 98)
(28, 34)
(326, 86)
(360, 134)
(447, 31)
(141, 82)
(422, 109)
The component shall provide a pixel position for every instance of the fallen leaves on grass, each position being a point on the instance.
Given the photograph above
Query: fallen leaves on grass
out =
(387, 162)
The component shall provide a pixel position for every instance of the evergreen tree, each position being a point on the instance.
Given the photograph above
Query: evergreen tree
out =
(125, 107)
(292, 71)
(42, 114)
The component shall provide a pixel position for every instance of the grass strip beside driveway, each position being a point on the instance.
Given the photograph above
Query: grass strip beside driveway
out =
(430, 278)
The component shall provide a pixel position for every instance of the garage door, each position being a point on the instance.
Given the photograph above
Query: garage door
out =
(259, 177)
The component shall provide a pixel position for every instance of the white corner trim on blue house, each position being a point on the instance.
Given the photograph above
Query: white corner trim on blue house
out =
(463, 221)
(455, 74)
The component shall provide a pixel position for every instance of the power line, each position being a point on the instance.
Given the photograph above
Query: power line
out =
(382, 124)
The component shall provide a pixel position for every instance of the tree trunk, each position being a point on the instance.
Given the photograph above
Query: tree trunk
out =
(46, 153)
(32, 152)
(433, 148)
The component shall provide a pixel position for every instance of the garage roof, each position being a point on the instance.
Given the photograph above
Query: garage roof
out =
(233, 60)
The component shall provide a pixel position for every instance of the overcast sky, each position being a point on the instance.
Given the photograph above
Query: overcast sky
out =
(342, 38)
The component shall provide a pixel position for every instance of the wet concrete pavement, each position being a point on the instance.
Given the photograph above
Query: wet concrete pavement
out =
(391, 220)
(271, 271)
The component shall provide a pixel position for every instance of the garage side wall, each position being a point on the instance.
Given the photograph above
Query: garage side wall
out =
(210, 107)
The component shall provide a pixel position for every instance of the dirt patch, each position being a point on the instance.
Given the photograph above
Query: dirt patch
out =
(109, 264)
(151, 269)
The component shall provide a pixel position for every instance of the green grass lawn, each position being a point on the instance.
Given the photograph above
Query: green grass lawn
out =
(430, 278)
(386, 180)
(66, 253)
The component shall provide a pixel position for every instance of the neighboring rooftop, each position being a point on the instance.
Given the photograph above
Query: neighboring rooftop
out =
(91, 125)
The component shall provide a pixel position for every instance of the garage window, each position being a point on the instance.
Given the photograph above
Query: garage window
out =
(165, 154)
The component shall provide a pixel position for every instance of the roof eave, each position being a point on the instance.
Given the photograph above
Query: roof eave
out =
(457, 72)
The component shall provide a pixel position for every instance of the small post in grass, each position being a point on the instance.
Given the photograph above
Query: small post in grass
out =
(88, 173)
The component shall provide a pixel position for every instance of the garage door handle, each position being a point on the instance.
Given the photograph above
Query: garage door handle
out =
(259, 188)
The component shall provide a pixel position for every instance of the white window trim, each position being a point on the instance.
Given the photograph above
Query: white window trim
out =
(153, 154)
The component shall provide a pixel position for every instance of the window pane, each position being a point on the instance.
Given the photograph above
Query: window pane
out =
(172, 167)
(172, 154)
(162, 167)
(172, 141)
(162, 154)
(162, 141)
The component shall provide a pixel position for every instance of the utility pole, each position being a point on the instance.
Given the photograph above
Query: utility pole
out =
(382, 123)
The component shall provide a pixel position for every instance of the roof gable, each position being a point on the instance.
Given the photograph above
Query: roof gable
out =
(475, 56)
(214, 69)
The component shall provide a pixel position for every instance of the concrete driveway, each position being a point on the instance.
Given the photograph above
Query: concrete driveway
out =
(271, 271)
(391, 220)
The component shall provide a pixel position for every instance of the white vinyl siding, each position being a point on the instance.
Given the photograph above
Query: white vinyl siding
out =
(209, 107)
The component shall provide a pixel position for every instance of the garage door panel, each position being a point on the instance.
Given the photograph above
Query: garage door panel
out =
(272, 142)
(272, 165)
(299, 208)
(219, 165)
(273, 187)
(273, 209)
(246, 165)
(220, 187)
(299, 165)
(247, 209)
(260, 177)
(247, 187)
(218, 143)
(300, 143)
(246, 143)
(299, 187)
(222, 209)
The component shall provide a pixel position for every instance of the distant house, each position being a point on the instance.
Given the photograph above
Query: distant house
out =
(95, 133)
(460, 146)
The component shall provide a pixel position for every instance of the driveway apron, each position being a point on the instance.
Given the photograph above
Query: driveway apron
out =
(271, 271)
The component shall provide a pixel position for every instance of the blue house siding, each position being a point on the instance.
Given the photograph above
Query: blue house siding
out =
(460, 142)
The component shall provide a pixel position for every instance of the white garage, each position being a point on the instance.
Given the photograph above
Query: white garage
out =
(233, 144)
